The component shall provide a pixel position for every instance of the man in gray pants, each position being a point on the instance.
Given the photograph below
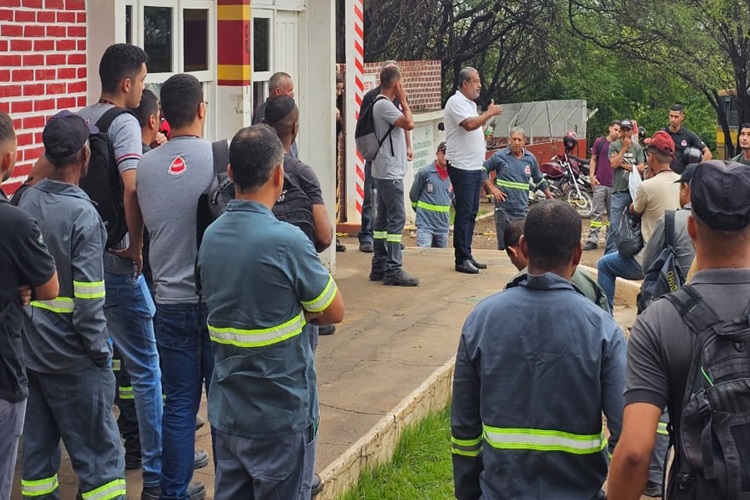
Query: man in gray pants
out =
(388, 170)
(602, 177)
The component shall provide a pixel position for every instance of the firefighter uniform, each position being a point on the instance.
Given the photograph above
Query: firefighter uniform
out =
(512, 178)
(71, 385)
(431, 196)
(536, 366)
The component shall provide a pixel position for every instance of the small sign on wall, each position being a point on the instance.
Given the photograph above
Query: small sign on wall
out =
(423, 145)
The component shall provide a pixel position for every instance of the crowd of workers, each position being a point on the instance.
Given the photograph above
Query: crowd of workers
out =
(536, 364)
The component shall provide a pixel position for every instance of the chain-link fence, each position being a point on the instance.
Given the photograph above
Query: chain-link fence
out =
(543, 121)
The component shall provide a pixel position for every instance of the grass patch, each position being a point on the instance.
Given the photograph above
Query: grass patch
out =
(421, 466)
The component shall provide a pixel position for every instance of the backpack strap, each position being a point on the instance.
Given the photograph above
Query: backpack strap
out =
(693, 310)
(220, 150)
(390, 128)
(669, 229)
(104, 122)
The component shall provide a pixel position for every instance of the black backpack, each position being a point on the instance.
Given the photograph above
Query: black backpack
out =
(664, 275)
(293, 205)
(712, 458)
(214, 200)
(365, 138)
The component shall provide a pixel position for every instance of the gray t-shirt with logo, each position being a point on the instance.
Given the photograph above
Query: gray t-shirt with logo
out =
(170, 180)
(391, 160)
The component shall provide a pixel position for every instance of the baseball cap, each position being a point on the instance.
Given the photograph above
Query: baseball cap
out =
(442, 146)
(687, 174)
(718, 193)
(663, 142)
(65, 134)
(626, 124)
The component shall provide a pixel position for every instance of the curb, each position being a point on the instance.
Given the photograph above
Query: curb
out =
(378, 445)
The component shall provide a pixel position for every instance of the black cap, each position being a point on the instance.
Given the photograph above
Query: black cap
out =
(719, 191)
(442, 146)
(65, 134)
(626, 124)
(687, 174)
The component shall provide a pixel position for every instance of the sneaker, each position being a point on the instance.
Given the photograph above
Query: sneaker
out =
(401, 279)
(317, 485)
(366, 247)
(200, 459)
(326, 330)
(340, 247)
(590, 245)
(478, 265)
(199, 422)
(196, 490)
(375, 276)
(467, 267)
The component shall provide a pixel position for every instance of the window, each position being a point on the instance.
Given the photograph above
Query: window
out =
(195, 39)
(261, 44)
(157, 38)
(129, 24)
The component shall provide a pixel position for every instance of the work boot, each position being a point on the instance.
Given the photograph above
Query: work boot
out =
(196, 490)
(317, 484)
(467, 267)
(326, 330)
(590, 245)
(200, 459)
(340, 247)
(477, 264)
(402, 278)
(199, 422)
(366, 247)
(376, 276)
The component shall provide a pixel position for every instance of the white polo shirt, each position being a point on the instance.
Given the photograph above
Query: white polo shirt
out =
(465, 150)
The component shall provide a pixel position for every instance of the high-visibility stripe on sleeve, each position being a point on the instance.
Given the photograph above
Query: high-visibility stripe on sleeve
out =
(379, 235)
(125, 392)
(544, 440)
(39, 487)
(116, 365)
(596, 223)
(512, 185)
(259, 337)
(466, 447)
(433, 208)
(58, 305)
(322, 301)
(112, 489)
(88, 289)
(662, 429)
(393, 238)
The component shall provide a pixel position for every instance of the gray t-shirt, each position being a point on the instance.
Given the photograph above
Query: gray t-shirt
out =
(125, 134)
(170, 180)
(390, 163)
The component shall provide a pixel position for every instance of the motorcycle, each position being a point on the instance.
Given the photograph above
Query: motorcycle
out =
(569, 180)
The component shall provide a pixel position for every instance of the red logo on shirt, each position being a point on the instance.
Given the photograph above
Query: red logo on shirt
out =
(178, 166)
(527, 170)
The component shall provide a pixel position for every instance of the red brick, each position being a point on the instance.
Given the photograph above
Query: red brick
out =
(22, 107)
(38, 138)
(76, 87)
(33, 122)
(56, 31)
(6, 15)
(44, 105)
(33, 30)
(45, 74)
(17, 123)
(24, 139)
(33, 89)
(66, 17)
(65, 45)
(44, 45)
(66, 73)
(33, 60)
(5, 107)
(82, 72)
(82, 44)
(4, 75)
(34, 153)
(54, 4)
(80, 17)
(4, 45)
(82, 101)
(25, 169)
(11, 30)
(12, 187)
(75, 59)
(77, 31)
(54, 59)
(75, 5)
(11, 3)
(23, 75)
(20, 45)
(55, 88)
(46, 16)
(66, 102)
(25, 16)
(10, 90)
(34, 4)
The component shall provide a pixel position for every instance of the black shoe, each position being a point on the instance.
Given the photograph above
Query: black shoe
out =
(200, 459)
(317, 485)
(401, 279)
(340, 247)
(590, 245)
(366, 247)
(199, 422)
(467, 267)
(376, 276)
(478, 265)
(196, 490)
(132, 461)
(326, 330)
(652, 490)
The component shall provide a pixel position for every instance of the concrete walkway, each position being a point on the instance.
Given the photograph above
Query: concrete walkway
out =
(391, 340)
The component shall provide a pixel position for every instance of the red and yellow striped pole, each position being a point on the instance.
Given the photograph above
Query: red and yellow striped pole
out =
(233, 47)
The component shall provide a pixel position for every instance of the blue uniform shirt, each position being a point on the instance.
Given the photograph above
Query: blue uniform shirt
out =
(431, 197)
(259, 275)
(513, 175)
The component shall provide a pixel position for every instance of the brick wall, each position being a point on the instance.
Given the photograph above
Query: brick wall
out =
(42, 69)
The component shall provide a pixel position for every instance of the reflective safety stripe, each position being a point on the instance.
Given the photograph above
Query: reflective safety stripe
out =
(512, 185)
(596, 223)
(323, 300)
(607, 222)
(543, 440)
(662, 428)
(393, 238)
(258, 337)
(433, 208)
(125, 392)
(466, 447)
(379, 235)
(116, 366)
(88, 290)
(39, 487)
(112, 489)
(414, 205)
(58, 305)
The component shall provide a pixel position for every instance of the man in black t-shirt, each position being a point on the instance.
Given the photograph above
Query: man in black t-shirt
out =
(683, 138)
(28, 270)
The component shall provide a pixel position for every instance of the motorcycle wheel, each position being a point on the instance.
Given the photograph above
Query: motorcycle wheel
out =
(582, 203)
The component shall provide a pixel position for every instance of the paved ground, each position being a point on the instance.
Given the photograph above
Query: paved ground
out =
(391, 340)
